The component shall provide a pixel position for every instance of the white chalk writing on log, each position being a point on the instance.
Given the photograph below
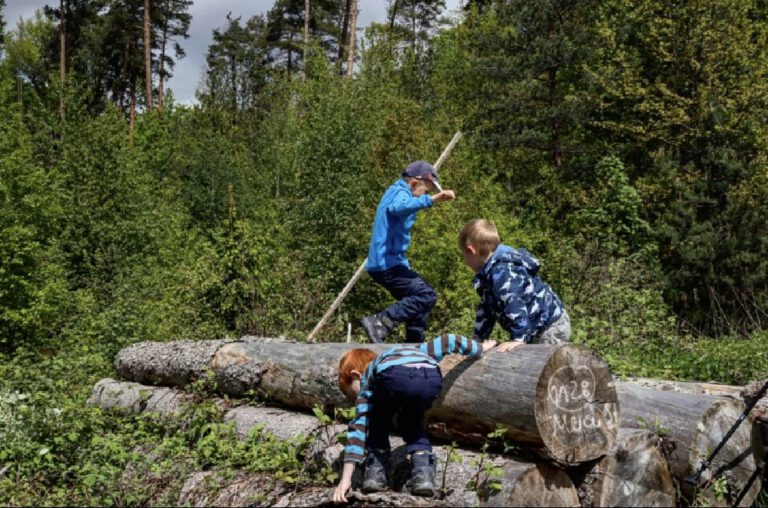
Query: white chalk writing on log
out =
(570, 388)
(606, 417)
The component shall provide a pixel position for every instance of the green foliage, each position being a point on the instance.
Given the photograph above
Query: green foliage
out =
(614, 220)
(33, 286)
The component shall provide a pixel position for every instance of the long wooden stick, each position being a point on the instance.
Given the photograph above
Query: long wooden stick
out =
(344, 292)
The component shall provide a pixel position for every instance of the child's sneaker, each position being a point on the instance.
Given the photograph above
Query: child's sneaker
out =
(377, 327)
(375, 476)
(422, 480)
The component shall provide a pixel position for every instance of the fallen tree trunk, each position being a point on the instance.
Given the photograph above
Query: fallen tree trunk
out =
(694, 425)
(559, 398)
(464, 478)
(692, 387)
(635, 472)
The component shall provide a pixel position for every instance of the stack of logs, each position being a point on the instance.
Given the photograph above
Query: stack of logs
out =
(580, 437)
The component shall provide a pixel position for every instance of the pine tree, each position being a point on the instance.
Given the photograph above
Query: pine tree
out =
(172, 21)
(416, 20)
(2, 26)
(535, 94)
(236, 65)
(285, 26)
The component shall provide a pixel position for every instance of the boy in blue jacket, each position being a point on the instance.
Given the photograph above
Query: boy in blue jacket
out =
(404, 380)
(511, 291)
(387, 264)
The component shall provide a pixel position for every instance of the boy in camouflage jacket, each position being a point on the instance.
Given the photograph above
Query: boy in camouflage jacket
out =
(511, 291)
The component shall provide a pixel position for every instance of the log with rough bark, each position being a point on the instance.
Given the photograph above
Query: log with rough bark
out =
(635, 472)
(560, 399)
(693, 425)
(464, 477)
(693, 387)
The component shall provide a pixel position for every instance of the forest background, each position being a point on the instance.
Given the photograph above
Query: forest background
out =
(623, 142)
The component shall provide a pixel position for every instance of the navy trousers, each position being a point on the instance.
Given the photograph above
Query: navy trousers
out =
(415, 299)
(407, 392)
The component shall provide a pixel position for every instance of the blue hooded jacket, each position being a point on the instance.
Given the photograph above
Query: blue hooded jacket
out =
(512, 293)
(391, 236)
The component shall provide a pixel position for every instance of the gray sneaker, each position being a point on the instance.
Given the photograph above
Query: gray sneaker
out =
(422, 480)
(375, 476)
(377, 327)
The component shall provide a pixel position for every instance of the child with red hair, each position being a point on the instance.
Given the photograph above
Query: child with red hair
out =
(404, 378)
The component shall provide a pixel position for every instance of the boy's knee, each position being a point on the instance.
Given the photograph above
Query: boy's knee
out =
(429, 297)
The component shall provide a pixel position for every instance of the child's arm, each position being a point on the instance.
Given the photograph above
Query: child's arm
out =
(354, 452)
(404, 204)
(449, 343)
(358, 427)
(484, 322)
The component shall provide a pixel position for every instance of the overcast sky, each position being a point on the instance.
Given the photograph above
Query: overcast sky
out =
(206, 15)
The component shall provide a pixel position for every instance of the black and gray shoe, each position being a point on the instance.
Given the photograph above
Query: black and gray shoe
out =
(422, 480)
(377, 327)
(375, 476)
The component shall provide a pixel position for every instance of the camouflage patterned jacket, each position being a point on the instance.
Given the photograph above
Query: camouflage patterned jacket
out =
(512, 293)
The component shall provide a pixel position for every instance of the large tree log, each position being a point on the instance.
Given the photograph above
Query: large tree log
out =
(694, 425)
(518, 484)
(635, 472)
(559, 398)
(693, 387)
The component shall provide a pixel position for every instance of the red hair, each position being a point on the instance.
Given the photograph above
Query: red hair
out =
(354, 359)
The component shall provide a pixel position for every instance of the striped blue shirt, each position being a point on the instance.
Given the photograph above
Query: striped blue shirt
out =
(427, 352)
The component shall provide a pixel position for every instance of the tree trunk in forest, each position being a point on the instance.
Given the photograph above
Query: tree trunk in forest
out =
(635, 472)
(461, 475)
(563, 399)
(352, 35)
(344, 33)
(289, 67)
(62, 53)
(306, 40)
(147, 55)
(395, 5)
(693, 425)
(132, 122)
(161, 69)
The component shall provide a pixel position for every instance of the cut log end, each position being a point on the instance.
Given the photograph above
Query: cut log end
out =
(576, 405)
(531, 485)
(733, 465)
(635, 472)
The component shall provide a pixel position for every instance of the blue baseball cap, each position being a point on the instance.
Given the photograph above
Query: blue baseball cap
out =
(423, 171)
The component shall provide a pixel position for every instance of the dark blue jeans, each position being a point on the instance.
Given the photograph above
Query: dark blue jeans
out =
(415, 299)
(408, 392)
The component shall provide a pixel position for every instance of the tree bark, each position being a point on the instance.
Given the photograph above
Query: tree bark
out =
(635, 472)
(693, 425)
(62, 53)
(344, 32)
(560, 399)
(132, 123)
(518, 484)
(692, 387)
(147, 55)
(352, 34)
(306, 40)
(161, 69)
